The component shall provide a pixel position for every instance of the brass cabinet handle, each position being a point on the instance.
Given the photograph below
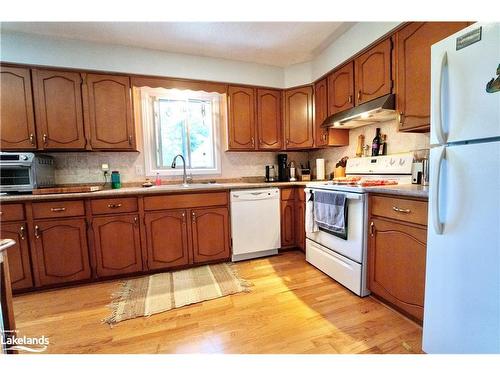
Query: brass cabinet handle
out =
(402, 210)
(359, 95)
(44, 139)
(135, 220)
(400, 118)
(287, 141)
(32, 139)
(58, 209)
(260, 141)
(21, 232)
(372, 228)
(183, 217)
(37, 231)
(193, 216)
(253, 141)
(350, 99)
(130, 140)
(114, 205)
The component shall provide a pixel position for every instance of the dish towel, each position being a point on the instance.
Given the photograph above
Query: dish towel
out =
(311, 225)
(330, 212)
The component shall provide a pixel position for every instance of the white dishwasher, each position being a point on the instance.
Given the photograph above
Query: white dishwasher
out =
(255, 223)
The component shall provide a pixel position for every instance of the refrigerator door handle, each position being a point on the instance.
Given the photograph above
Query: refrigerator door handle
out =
(438, 225)
(439, 105)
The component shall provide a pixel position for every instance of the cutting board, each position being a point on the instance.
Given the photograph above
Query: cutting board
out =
(67, 189)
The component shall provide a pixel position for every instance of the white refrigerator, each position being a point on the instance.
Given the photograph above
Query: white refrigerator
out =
(462, 286)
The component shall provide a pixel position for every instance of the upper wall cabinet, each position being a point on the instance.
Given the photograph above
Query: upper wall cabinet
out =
(320, 112)
(108, 112)
(17, 122)
(413, 52)
(298, 108)
(58, 106)
(241, 118)
(341, 89)
(269, 119)
(372, 78)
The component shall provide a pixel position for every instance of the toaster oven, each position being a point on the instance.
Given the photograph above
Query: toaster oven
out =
(21, 172)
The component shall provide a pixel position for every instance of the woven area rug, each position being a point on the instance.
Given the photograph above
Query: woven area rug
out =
(153, 294)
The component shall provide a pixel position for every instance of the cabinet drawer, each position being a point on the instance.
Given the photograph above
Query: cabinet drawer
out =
(47, 210)
(287, 194)
(115, 205)
(11, 212)
(400, 209)
(174, 201)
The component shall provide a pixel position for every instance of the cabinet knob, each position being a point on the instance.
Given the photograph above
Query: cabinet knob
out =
(37, 231)
(136, 220)
(350, 99)
(44, 138)
(193, 216)
(253, 141)
(183, 217)
(372, 228)
(400, 118)
(130, 140)
(359, 95)
(32, 139)
(21, 232)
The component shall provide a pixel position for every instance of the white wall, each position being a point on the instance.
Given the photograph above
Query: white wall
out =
(42, 50)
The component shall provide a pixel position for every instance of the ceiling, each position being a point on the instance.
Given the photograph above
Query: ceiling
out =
(273, 43)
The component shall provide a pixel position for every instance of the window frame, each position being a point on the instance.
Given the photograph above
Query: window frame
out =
(150, 127)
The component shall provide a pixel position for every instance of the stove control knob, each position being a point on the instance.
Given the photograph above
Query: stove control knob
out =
(392, 161)
(23, 157)
(402, 162)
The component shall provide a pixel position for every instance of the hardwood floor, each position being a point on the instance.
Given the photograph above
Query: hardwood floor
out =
(292, 308)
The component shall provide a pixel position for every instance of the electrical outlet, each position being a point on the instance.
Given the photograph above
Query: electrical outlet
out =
(105, 167)
(139, 170)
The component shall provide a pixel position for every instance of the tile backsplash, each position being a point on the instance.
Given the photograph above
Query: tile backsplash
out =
(85, 167)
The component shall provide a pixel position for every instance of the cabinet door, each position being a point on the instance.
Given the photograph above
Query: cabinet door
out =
(210, 230)
(58, 106)
(108, 112)
(413, 83)
(396, 256)
(320, 112)
(287, 223)
(341, 89)
(299, 132)
(241, 127)
(61, 251)
(17, 120)
(269, 119)
(167, 239)
(117, 244)
(19, 259)
(300, 212)
(373, 77)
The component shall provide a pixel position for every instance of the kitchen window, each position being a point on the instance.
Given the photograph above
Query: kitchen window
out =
(181, 122)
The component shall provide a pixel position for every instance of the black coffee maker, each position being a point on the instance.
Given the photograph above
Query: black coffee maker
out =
(282, 167)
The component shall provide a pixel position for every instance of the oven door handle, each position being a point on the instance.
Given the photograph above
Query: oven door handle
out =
(348, 195)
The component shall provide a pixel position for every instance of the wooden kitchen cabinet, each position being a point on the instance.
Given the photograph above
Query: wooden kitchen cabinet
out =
(373, 72)
(61, 251)
(269, 134)
(300, 217)
(413, 83)
(17, 120)
(117, 245)
(58, 110)
(298, 109)
(287, 214)
(320, 112)
(341, 89)
(108, 112)
(19, 258)
(167, 239)
(241, 118)
(210, 234)
(397, 253)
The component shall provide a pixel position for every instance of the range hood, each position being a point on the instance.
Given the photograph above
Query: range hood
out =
(374, 111)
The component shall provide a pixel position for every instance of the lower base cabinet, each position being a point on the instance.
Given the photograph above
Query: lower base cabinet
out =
(293, 209)
(117, 245)
(62, 253)
(19, 258)
(210, 231)
(396, 262)
(167, 239)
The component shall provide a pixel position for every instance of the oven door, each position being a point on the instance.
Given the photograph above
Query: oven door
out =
(352, 247)
(15, 178)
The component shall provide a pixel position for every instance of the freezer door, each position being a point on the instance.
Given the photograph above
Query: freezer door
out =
(461, 108)
(462, 288)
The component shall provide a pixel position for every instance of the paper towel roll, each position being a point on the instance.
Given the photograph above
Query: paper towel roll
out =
(320, 169)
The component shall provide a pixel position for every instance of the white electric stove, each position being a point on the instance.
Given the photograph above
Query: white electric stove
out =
(344, 260)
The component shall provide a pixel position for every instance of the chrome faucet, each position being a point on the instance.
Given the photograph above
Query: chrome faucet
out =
(184, 176)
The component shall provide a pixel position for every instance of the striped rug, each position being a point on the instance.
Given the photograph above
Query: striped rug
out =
(154, 294)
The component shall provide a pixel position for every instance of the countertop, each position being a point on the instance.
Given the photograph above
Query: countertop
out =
(403, 190)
